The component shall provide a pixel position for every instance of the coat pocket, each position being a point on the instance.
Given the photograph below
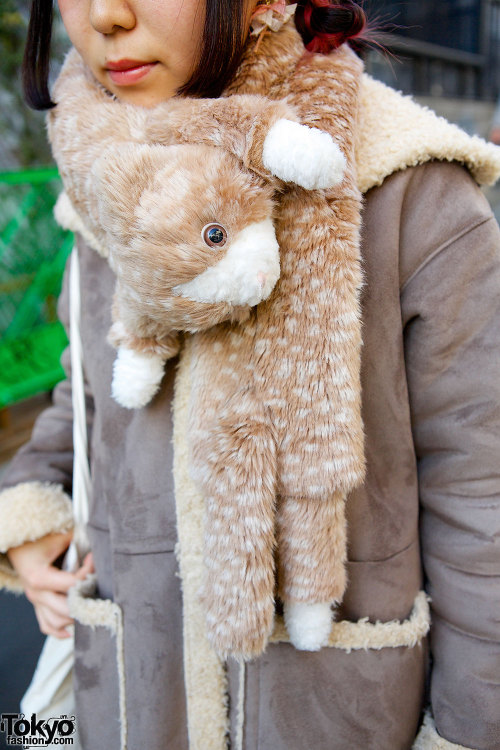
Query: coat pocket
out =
(99, 666)
(364, 691)
(362, 634)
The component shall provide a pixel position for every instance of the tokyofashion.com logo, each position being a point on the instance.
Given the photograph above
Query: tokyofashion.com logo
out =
(36, 732)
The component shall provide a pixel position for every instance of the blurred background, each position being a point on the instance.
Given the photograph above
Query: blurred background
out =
(445, 53)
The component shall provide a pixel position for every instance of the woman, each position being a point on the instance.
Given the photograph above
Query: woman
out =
(429, 399)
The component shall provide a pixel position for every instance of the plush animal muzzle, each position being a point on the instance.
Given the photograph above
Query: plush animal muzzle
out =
(246, 274)
(200, 230)
(192, 243)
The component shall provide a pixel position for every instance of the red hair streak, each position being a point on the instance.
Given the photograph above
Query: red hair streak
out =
(350, 26)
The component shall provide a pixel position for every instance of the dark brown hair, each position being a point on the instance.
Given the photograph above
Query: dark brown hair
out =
(323, 26)
(220, 52)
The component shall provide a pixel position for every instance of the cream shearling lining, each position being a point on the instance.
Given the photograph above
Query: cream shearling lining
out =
(204, 674)
(429, 739)
(67, 218)
(352, 636)
(395, 132)
(29, 511)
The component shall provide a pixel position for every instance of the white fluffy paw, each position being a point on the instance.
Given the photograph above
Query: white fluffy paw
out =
(136, 377)
(306, 156)
(308, 625)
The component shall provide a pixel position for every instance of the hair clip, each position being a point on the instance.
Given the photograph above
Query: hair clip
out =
(269, 16)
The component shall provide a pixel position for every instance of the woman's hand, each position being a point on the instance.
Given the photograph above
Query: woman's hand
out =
(45, 585)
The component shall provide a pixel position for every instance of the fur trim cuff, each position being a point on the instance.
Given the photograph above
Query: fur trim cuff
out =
(29, 511)
(429, 739)
(67, 218)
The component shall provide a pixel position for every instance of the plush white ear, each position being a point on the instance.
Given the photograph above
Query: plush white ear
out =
(308, 625)
(306, 156)
(136, 377)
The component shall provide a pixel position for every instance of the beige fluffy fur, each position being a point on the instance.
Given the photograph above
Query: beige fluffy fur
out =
(275, 433)
(395, 133)
(429, 739)
(146, 181)
(276, 439)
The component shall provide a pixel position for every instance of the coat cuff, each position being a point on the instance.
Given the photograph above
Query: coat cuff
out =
(29, 511)
(429, 739)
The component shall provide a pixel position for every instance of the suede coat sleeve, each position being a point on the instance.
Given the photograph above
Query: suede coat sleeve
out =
(36, 488)
(450, 297)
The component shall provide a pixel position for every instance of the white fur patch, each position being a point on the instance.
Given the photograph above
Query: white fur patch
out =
(136, 377)
(307, 156)
(308, 625)
(237, 277)
(67, 218)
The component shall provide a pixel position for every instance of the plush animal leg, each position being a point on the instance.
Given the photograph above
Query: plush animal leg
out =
(304, 155)
(139, 366)
(311, 539)
(238, 592)
(136, 377)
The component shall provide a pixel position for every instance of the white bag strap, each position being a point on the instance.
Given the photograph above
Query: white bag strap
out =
(81, 470)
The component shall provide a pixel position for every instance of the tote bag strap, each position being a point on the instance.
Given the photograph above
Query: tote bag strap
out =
(51, 690)
(81, 469)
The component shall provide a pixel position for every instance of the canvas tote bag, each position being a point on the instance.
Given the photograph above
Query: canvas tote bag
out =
(50, 693)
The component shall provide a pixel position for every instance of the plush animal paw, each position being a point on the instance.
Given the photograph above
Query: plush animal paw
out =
(308, 625)
(136, 377)
(306, 156)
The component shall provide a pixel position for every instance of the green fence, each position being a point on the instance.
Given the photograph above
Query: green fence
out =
(33, 252)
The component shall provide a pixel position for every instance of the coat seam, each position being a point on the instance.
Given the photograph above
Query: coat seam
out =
(461, 631)
(450, 241)
(413, 543)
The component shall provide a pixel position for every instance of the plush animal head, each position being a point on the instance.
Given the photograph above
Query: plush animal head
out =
(191, 237)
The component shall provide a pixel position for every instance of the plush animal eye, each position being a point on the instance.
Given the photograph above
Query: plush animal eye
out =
(214, 235)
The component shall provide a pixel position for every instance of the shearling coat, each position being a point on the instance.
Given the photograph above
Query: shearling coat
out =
(425, 517)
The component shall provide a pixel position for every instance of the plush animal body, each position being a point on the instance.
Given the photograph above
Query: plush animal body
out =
(188, 226)
(275, 432)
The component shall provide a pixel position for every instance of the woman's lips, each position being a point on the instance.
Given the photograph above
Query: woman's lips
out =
(127, 72)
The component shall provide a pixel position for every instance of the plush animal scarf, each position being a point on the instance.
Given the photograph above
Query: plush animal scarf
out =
(275, 432)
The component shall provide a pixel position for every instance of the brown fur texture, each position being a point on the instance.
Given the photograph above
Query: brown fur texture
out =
(144, 181)
(275, 429)
(276, 436)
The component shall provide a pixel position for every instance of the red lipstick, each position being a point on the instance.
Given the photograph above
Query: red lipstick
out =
(126, 72)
